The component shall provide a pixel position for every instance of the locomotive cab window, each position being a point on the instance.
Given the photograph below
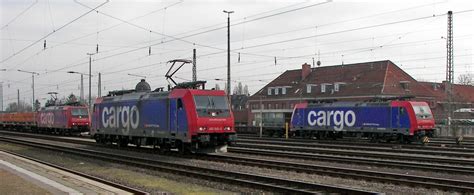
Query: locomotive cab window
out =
(180, 104)
(79, 112)
(422, 112)
(211, 106)
(401, 110)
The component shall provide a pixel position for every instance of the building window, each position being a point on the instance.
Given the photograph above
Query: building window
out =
(404, 85)
(276, 106)
(336, 87)
(269, 91)
(269, 106)
(292, 106)
(276, 91)
(308, 88)
(283, 90)
(323, 88)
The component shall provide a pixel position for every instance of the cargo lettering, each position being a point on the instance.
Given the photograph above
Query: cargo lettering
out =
(125, 117)
(338, 118)
(47, 118)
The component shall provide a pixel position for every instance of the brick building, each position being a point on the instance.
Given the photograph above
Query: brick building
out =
(348, 82)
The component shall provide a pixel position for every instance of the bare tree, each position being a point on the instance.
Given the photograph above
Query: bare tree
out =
(246, 90)
(37, 105)
(238, 90)
(466, 79)
(23, 107)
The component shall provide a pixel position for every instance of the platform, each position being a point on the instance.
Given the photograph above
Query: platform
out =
(22, 176)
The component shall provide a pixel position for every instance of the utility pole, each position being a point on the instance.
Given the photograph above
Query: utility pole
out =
(99, 91)
(82, 83)
(1, 96)
(18, 101)
(81, 95)
(32, 84)
(449, 68)
(228, 50)
(194, 66)
(90, 75)
(261, 116)
(1, 91)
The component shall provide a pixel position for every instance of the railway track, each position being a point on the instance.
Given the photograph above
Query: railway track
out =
(362, 154)
(464, 153)
(409, 180)
(357, 160)
(273, 184)
(401, 164)
(443, 143)
(97, 179)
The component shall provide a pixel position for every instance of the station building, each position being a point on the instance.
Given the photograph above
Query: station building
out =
(349, 82)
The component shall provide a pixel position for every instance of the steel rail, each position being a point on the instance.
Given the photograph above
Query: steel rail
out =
(393, 149)
(313, 156)
(273, 184)
(410, 180)
(357, 160)
(433, 144)
(365, 154)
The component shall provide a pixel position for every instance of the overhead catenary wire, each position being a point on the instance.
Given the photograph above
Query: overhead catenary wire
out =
(19, 14)
(349, 30)
(211, 68)
(49, 34)
(48, 42)
(242, 23)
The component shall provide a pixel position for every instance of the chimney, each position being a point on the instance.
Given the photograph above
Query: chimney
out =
(305, 70)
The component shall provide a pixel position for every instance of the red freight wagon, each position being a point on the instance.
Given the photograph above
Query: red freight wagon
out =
(18, 120)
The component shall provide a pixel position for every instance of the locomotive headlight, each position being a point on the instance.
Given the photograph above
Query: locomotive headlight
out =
(202, 128)
(227, 128)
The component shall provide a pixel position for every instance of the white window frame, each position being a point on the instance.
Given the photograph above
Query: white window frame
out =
(276, 91)
(270, 91)
(283, 91)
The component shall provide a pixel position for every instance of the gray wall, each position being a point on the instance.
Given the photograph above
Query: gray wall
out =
(456, 130)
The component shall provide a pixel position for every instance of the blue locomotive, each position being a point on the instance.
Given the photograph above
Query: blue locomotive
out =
(405, 121)
(187, 119)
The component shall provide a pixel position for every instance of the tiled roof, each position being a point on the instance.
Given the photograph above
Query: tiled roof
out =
(462, 93)
(379, 78)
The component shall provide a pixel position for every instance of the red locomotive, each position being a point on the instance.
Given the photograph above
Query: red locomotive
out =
(65, 119)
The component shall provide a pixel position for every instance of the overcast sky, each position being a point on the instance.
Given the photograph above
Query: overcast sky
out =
(409, 33)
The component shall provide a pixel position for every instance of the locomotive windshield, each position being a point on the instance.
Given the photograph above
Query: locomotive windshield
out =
(79, 112)
(422, 112)
(211, 106)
